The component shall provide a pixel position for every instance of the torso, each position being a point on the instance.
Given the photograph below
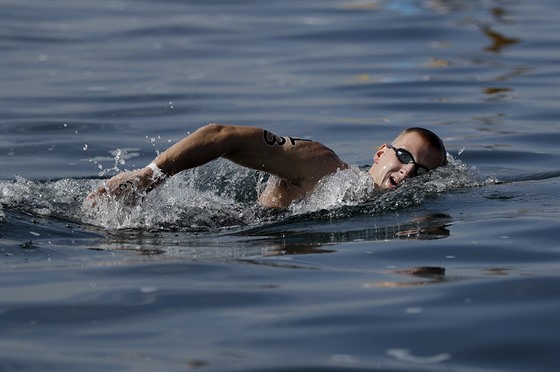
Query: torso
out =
(313, 162)
(279, 193)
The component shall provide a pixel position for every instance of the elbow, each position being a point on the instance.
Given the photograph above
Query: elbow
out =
(213, 129)
(215, 135)
(218, 135)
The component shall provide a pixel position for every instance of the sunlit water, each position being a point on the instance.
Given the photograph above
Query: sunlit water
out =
(454, 270)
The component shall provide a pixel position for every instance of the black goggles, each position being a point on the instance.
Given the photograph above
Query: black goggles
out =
(406, 157)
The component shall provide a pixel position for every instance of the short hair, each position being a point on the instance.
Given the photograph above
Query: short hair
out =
(431, 139)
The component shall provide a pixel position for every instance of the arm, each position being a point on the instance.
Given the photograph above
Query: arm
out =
(292, 159)
(300, 162)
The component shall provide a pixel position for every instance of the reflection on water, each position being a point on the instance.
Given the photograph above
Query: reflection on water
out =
(299, 238)
(430, 275)
(499, 41)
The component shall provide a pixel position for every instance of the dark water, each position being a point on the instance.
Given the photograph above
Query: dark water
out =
(457, 271)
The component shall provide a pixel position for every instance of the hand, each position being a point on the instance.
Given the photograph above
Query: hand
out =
(126, 186)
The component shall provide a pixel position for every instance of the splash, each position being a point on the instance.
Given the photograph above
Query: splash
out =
(218, 194)
(350, 187)
(351, 191)
(59, 198)
(223, 195)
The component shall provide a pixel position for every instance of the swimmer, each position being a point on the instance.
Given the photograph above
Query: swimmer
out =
(298, 164)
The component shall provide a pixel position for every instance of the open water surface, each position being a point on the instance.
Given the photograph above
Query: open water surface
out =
(454, 271)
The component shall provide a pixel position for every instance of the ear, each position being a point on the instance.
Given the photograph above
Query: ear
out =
(380, 151)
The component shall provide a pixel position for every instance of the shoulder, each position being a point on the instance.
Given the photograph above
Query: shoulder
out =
(318, 161)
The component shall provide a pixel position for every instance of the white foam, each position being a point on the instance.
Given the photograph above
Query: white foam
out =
(222, 194)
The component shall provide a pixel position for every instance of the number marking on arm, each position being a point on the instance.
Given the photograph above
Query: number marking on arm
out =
(272, 139)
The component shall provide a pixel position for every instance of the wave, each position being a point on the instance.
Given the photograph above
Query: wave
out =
(223, 195)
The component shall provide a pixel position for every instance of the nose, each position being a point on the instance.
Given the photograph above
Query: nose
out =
(407, 170)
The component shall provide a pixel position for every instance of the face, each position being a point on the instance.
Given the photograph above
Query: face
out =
(388, 172)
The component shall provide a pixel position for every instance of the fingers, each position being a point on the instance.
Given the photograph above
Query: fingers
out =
(127, 185)
(100, 190)
(91, 200)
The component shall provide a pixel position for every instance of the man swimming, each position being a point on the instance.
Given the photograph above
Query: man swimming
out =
(297, 164)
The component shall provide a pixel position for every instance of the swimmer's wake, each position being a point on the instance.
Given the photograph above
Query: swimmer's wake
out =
(222, 195)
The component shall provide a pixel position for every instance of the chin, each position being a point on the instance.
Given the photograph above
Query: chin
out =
(383, 186)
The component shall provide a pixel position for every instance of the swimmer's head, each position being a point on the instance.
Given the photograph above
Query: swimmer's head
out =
(413, 152)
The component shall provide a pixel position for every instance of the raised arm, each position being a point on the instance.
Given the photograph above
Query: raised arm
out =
(299, 162)
(293, 159)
